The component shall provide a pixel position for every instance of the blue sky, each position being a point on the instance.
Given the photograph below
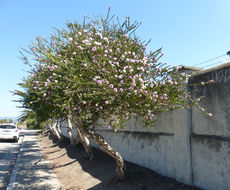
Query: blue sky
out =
(189, 31)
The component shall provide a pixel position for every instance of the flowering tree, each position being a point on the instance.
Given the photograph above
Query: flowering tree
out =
(100, 70)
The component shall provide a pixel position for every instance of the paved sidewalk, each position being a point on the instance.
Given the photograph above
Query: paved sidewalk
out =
(31, 170)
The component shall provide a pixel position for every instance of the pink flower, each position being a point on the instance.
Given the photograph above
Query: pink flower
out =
(106, 102)
(108, 127)
(79, 47)
(99, 82)
(94, 48)
(120, 76)
(111, 85)
(115, 89)
(106, 40)
(121, 90)
(84, 102)
(202, 109)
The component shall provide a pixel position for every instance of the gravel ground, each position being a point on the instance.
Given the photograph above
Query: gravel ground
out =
(76, 172)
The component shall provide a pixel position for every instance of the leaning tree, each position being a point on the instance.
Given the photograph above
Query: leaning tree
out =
(101, 70)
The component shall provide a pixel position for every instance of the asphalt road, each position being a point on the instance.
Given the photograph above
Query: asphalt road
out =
(8, 154)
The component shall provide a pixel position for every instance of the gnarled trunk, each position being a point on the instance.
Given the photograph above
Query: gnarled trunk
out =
(85, 142)
(55, 130)
(58, 128)
(109, 150)
(70, 131)
(81, 137)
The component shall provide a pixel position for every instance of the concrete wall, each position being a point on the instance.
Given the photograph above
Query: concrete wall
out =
(211, 135)
(163, 148)
(185, 145)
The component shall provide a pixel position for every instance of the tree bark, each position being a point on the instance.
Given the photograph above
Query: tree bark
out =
(109, 150)
(82, 137)
(55, 131)
(70, 129)
(58, 128)
(85, 142)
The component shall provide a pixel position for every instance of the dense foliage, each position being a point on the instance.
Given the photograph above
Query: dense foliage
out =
(101, 70)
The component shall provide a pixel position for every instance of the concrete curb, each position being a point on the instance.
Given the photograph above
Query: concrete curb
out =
(10, 186)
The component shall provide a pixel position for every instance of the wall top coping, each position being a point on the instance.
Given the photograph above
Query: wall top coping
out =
(191, 68)
(211, 69)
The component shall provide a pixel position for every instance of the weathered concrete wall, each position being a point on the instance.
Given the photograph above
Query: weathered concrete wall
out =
(211, 135)
(163, 148)
(211, 162)
(185, 145)
(216, 101)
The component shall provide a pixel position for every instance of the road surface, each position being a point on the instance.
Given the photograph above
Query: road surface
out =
(8, 154)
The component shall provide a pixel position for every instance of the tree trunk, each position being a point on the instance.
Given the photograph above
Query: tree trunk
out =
(109, 150)
(58, 128)
(55, 131)
(85, 142)
(70, 133)
(82, 138)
